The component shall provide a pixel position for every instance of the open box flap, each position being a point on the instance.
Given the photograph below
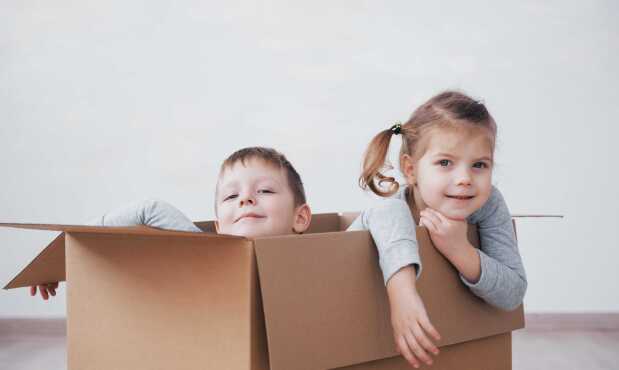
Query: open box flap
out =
(320, 223)
(318, 291)
(49, 265)
(46, 267)
(326, 306)
(126, 230)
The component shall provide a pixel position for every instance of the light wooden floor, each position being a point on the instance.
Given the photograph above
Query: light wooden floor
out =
(554, 350)
(532, 349)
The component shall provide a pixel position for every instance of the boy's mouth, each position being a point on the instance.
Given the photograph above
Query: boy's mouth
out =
(249, 215)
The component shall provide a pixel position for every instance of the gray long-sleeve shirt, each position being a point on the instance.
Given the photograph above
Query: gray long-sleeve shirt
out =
(149, 212)
(503, 281)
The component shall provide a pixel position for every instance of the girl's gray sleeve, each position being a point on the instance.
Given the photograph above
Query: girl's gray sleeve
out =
(393, 230)
(503, 281)
(150, 212)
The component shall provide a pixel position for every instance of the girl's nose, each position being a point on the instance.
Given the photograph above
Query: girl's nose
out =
(463, 178)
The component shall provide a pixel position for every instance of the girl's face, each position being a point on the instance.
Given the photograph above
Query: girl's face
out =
(454, 174)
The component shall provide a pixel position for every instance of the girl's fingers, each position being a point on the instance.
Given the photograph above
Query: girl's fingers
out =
(423, 340)
(423, 221)
(438, 215)
(430, 214)
(406, 352)
(416, 348)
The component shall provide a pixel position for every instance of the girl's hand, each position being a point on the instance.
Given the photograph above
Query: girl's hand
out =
(448, 235)
(450, 238)
(409, 319)
(45, 289)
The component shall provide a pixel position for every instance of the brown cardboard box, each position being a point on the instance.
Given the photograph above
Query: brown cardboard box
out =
(142, 298)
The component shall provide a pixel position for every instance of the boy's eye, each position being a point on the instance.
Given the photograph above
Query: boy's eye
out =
(444, 162)
(231, 196)
(266, 191)
(480, 165)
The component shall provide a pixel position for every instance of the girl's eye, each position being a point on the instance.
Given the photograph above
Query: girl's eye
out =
(444, 162)
(480, 165)
(231, 196)
(266, 191)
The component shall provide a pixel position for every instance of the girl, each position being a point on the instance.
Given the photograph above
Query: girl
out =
(447, 159)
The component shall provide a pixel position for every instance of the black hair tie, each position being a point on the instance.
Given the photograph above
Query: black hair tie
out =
(397, 128)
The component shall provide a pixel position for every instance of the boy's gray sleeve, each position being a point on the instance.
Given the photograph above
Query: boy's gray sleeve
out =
(150, 212)
(503, 281)
(393, 230)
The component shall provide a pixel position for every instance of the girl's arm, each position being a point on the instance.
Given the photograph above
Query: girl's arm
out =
(149, 212)
(392, 227)
(502, 281)
(494, 272)
(393, 230)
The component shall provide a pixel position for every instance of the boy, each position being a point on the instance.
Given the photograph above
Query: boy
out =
(258, 193)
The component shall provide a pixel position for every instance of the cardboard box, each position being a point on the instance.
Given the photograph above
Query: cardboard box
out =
(142, 298)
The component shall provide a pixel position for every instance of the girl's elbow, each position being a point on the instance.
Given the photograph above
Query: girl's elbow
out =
(515, 299)
(510, 306)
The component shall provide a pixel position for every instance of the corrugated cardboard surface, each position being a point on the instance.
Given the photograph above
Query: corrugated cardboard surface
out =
(326, 307)
(491, 353)
(323, 222)
(324, 301)
(47, 267)
(158, 302)
(140, 298)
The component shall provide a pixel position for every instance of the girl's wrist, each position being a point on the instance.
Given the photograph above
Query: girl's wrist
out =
(458, 252)
(466, 260)
(404, 277)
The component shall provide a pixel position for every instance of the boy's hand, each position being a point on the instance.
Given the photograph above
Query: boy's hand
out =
(448, 235)
(45, 289)
(409, 319)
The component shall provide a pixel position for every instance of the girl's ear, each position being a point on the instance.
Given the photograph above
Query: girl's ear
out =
(408, 169)
(302, 219)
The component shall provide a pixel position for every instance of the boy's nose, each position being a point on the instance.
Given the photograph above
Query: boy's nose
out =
(246, 200)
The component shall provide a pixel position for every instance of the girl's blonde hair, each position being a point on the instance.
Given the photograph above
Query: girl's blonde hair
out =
(447, 109)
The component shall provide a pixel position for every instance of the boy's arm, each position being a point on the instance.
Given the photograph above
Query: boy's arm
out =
(503, 281)
(150, 212)
(393, 230)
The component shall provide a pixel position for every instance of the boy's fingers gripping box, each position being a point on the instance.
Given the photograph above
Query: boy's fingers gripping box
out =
(142, 298)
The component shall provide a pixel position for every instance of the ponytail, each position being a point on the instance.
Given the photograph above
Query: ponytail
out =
(374, 161)
(448, 109)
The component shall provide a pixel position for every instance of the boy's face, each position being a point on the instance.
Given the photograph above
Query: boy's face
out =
(254, 199)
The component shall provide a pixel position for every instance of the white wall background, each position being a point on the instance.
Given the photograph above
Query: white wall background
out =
(105, 102)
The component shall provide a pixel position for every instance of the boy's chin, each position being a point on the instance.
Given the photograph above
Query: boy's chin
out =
(257, 232)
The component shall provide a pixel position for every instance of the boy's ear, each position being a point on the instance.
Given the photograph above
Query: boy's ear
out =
(408, 169)
(216, 226)
(302, 219)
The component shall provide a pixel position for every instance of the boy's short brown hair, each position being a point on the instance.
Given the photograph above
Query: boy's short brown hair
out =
(275, 158)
